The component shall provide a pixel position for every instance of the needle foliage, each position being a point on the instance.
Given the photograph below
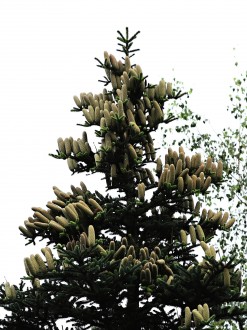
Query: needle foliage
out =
(139, 256)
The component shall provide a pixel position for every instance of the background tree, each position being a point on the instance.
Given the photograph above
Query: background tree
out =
(137, 257)
(229, 145)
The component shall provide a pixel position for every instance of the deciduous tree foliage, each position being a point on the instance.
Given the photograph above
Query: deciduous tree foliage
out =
(228, 145)
(140, 256)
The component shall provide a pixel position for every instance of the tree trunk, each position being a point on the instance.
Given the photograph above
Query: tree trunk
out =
(132, 319)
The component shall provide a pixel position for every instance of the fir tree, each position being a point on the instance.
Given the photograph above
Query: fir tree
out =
(138, 257)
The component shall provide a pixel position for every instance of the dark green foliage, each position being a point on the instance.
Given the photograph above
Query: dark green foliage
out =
(137, 256)
(228, 145)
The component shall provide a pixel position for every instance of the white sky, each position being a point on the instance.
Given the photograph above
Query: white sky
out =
(47, 51)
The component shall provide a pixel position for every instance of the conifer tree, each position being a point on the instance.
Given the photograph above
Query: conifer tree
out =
(140, 256)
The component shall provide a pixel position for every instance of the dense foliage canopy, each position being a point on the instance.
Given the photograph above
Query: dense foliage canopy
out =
(141, 255)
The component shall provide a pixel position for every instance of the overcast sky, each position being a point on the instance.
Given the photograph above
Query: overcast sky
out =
(47, 51)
